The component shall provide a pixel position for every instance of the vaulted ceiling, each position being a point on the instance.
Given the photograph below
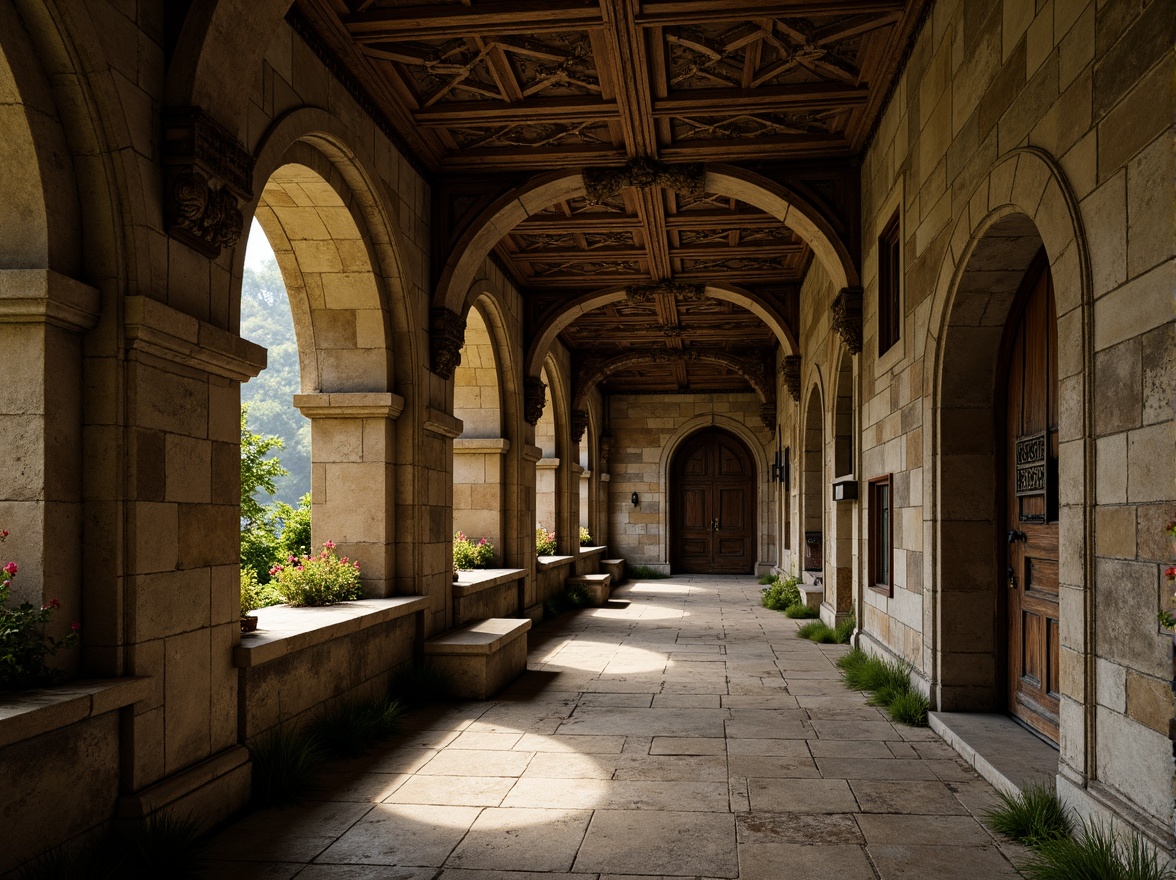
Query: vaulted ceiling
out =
(487, 93)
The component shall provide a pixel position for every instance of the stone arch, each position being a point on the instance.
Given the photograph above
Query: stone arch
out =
(542, 191)
(841, 563)
(763, 494)
(1028, 206)
(812, 483)
(219, 54)
(552, 325)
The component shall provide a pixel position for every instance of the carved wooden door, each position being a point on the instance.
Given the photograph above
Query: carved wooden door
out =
(713, 506)
(1031, 574)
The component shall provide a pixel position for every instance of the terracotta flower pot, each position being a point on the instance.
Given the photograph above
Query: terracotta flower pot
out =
(248, 623)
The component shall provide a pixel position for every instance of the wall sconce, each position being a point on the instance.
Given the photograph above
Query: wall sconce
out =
(777, 469)
(633, 498)
(845, 489)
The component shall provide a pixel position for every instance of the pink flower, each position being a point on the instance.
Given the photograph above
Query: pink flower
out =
(330, 545)
(10, 569)
(276, 569)
(356, 564)
(54, 604)
(75, 626)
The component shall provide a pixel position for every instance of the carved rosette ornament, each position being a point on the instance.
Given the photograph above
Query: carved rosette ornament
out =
(601, 183)
(207, 177)
(768, 416)
(579, 424)
(643, 293)
(847, 318)
(790, 370)
(446, 337)
(534, 400)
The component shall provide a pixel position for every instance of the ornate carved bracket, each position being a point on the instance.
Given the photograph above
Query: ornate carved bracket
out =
(642, 293)
(643, 172)
(673, 331)
(579, 424)
(606, 444)
(207, 176)
(847, 318)
(790, 370)
(768, 416)
(534, 400)
(446, 337)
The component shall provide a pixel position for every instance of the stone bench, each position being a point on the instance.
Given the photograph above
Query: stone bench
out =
(597, 585)
(489, 592)
(615, 567)
(482, 657)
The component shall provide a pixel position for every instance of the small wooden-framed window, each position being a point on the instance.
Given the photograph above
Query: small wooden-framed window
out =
(889, 282)
(881, 546)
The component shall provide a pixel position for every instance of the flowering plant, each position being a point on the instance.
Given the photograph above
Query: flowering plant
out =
(467, 554)
(323, 579)
(544, 541)
(24, 644)
(585, 537)
(1166, 617)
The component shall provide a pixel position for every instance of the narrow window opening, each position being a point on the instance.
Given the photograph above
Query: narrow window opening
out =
(881, 536)
(889, 279)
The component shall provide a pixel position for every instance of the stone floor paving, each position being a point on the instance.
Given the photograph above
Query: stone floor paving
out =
(682, 731)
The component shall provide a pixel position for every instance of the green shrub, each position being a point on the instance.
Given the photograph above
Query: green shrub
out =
(285, 764)
(351, 727)
(766, 580)
(644, 573)
(1097, 854)
(255, 595)
(317, 580)
(544, 542)
(468, 555)
(1032, 817)
(294, 526)
(783, 593)
(800, 611)
(585, 538)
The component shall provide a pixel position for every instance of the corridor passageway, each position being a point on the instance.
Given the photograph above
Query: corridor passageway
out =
(681, 731)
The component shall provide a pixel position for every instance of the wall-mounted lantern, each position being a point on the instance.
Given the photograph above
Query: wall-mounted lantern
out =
(634, 499)
(845, 489)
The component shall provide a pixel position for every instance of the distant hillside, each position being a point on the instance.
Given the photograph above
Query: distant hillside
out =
(266, 320)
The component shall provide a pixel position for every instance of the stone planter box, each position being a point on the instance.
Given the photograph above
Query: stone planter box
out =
(489, 592)
(481, 658)
(303, 658)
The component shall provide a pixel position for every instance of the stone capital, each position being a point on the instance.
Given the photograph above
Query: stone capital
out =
(847, 318)
(446, 337)
(534, 400)
(790, 370)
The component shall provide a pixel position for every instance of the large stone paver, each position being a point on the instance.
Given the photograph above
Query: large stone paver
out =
(689, 734)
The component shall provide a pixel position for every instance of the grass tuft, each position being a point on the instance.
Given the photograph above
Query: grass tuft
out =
(163, 846)
(809, 630)
(822, 634)
(1097, 854)
(766, 579)
(285, 764)
(1033, 817)
(889, 684)
(351, 727)
(800, 611)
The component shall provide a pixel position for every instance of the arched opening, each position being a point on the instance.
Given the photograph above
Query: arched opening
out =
(842, 564)
(311, 217)
(974, 632)
(712, 488)
(812, 489)
(547, 507)
(479, 452)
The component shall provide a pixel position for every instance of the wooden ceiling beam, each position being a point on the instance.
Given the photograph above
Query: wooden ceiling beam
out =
(679, 12)
(487, 19)
(465, 113)
(732, 102)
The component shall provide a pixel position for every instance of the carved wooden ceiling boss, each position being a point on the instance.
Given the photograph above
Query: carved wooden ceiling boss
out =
(485, 93)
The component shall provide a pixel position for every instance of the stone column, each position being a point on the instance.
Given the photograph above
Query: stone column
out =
(42, 317)
(180, 588)
(352, 485)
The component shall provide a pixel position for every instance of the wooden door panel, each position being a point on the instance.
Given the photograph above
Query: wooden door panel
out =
(1031, 485)
(712, 503)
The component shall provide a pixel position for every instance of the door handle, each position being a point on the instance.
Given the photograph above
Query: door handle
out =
(1012, 579)
(714, 525)
(1015, 535)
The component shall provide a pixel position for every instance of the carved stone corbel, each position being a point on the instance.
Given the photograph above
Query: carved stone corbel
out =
(601, 183)
(446, 337)
(207, 177)
(579, 424)
(768, 416)
(534, 399)
(605, 449)
(790, 370)
(847, 318)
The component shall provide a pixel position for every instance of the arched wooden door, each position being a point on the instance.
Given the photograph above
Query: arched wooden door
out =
(712, 506)
(1031, 528)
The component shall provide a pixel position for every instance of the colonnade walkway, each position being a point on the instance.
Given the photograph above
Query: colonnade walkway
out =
(683, 731)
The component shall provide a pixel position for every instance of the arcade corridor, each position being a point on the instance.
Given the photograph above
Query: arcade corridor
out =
(682, 730)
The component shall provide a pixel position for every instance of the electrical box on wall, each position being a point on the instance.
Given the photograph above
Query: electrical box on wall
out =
(845, 489)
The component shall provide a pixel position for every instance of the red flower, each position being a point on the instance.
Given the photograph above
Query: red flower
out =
(75, 626)
(54, 604)
(3, 534)
(10, 569)
(1170, 572)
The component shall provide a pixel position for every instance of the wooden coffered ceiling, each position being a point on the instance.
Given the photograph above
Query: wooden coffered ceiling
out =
(497, 90)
